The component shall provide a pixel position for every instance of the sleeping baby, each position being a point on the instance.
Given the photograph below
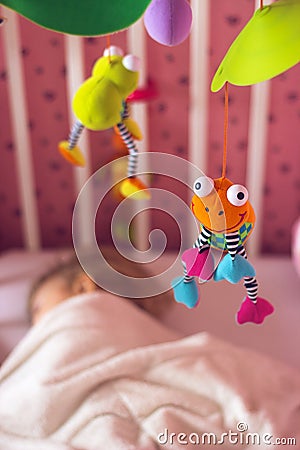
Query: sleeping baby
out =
(97, 372)
(68, 279)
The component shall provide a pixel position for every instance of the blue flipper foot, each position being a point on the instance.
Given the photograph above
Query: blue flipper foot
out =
(185, 292)
(233, 270)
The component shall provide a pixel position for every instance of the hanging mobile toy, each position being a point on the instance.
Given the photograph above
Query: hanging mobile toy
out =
(168, 21)
(100, 103)
(226, 221)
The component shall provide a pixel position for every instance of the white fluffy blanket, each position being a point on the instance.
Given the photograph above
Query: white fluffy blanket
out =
(97, 373)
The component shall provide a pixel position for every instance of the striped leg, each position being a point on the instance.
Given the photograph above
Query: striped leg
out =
(75, 134)
(232, 243)
(202, 244)
(253, 308)
(125, 112)
(187, 278)
(133, 153)
(250, 283)
(185, 288)
(69, 149)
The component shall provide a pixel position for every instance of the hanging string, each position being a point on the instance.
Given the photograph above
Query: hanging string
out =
(108, 46)
(225, 131)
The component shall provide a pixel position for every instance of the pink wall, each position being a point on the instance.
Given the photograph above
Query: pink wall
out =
(43, 57)
(282, 186)
(44, 70)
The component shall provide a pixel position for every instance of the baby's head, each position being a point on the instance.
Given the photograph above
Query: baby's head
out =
(68, 279)
(58, 284)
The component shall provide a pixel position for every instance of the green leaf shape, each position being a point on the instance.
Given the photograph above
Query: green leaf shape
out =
(267, 46)
(81, 18)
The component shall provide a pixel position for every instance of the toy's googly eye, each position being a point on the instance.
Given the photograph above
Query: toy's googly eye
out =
(203, 186)
(131, 62)
(2, 20)
(237, 195)
(113, 50)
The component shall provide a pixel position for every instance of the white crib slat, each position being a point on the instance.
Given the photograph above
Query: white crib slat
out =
(257, 141)
(75, 76)
(19, 119)
(198, 93)
(256, 156)
(74, 54)
(137, 46)
(199, 84)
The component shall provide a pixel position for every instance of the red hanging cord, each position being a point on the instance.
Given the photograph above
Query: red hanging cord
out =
(225, 131)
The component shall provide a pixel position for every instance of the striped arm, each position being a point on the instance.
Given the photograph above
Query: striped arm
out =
(133, 153)
(202, 242)
(75, 134)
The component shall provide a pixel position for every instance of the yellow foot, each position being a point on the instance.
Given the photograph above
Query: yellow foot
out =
(74, 156)
(132, 127)
(135, 188)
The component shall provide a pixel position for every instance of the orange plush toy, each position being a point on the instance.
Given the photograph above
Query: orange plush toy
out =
(226, 221)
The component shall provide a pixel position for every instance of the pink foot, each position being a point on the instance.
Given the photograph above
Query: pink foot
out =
(199, 265)
(254, 312)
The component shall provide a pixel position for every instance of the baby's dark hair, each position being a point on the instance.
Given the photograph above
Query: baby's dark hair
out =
(70, 269)
(66, 270)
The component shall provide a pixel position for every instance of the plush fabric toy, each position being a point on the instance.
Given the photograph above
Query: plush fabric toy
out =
(168, 21)
(100, 103)
(267, 46)
(226, 221)
(84, 18)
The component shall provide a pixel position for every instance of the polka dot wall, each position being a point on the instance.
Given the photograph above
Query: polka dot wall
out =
(168, 123)
(227, 20)
(282, 184)
(44, 71)
(168, 69)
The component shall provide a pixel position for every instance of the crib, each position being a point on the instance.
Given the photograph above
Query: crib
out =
(39, 73)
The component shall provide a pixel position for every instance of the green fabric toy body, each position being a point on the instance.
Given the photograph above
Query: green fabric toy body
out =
(100, 104)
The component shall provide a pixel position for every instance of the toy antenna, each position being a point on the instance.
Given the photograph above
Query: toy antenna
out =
(108, 46)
